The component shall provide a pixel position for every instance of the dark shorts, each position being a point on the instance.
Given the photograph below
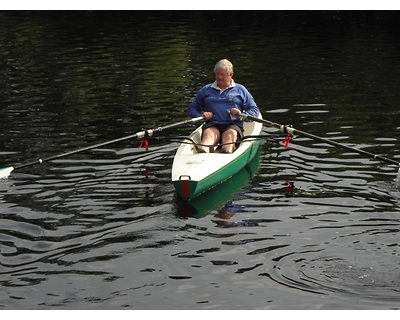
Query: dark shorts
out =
(223, 127)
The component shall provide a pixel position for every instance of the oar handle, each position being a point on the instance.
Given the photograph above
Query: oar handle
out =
(291, 130)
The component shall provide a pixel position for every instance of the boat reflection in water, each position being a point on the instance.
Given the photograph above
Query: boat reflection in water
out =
(220, 196)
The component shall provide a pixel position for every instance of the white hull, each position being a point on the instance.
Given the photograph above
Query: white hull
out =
(194, 173)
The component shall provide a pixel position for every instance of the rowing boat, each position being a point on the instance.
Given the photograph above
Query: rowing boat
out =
(194, 173)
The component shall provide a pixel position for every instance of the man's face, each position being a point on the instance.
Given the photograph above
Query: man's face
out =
(223, 78)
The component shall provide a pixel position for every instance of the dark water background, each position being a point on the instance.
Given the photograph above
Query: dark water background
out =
(104, 230)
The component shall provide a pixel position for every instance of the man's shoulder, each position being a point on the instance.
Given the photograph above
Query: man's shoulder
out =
(207, 88)
(240, 87)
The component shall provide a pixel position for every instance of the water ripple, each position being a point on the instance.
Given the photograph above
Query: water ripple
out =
(312, 227)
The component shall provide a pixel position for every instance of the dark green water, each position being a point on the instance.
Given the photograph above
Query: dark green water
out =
(103, 229)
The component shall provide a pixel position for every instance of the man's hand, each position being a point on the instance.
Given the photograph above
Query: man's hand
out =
(236, 113)
(207, 115)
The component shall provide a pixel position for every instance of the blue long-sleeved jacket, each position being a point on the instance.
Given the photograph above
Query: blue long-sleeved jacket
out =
(209, 98)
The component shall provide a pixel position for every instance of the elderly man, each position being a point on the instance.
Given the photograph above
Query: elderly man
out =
(220, 103)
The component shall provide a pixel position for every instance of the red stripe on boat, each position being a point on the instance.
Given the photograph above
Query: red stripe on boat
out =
(185, 189)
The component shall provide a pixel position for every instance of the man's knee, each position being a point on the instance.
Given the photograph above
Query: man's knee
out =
(211, 134)
(230, 134)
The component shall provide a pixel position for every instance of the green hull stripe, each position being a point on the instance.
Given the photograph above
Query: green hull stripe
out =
(198, 187)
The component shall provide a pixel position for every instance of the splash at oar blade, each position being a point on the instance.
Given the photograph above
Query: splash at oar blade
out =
(5, 172)
(398, 180)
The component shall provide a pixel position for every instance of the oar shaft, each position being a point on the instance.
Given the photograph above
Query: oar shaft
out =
(291, 130)
(139, 135)
(75, 151)
(174, 125)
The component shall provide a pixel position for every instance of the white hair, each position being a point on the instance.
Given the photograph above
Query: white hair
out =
(225, 65)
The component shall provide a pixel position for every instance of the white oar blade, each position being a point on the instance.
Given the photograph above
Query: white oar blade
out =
(5, 172)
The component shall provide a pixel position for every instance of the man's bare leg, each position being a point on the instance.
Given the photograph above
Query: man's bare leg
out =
(211, 136)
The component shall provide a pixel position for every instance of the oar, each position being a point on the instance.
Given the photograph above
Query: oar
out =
(5, 172)
(291, 130)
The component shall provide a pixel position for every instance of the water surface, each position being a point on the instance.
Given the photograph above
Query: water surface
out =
(307, 227)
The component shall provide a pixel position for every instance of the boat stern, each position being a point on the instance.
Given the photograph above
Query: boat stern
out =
(185, 187)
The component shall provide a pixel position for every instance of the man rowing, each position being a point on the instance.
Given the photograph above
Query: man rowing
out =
(221, 103)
